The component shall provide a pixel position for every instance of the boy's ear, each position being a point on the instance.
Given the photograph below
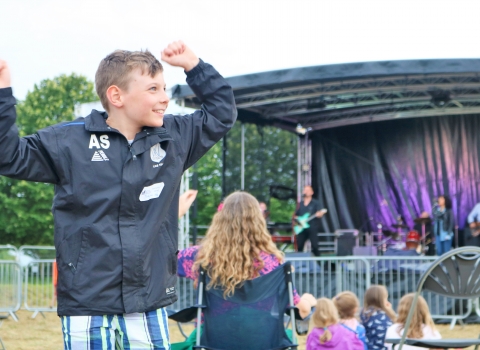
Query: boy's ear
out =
(114, 95)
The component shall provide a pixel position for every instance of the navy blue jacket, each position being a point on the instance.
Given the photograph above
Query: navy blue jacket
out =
(116, 206)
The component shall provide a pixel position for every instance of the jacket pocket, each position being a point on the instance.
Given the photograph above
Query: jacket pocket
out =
(84, 247)
(171, 245)
(69, 256)
(173, 263)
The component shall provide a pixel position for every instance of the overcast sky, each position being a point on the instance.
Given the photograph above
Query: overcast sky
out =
(44, 38)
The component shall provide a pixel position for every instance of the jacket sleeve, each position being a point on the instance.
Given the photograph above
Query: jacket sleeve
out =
(474, 214)
(25, 158)
(205, 127)
(451, 222)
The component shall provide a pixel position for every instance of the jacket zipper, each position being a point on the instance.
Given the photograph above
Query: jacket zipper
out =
(72, 267)
(131, 151)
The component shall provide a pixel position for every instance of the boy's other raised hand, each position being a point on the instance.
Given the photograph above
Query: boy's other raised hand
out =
(179, 55)
(4, 75)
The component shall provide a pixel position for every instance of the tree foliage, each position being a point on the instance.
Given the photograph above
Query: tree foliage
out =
(25, 207)
(270, 159)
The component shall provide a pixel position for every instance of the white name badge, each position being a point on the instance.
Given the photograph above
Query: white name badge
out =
(151, 192)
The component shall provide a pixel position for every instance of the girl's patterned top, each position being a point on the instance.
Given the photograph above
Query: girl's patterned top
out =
(376, 323)
(186, 258)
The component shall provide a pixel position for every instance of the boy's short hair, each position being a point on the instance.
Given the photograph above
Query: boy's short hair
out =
(115, 69)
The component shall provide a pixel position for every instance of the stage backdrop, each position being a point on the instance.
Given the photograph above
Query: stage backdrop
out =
(370, 173)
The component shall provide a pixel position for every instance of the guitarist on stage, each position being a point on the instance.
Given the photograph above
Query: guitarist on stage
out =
(312, 207)
(472, 236)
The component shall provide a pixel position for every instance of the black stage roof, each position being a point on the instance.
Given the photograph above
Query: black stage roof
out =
(334, 95)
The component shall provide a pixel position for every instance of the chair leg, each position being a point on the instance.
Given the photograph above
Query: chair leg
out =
(288, 323)
(181, 330)
(476, 346)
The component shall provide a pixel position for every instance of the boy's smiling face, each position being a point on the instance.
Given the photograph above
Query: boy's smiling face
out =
(145, 101)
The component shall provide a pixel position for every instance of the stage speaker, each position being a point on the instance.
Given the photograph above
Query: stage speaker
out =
(346, 241)
(365, 251)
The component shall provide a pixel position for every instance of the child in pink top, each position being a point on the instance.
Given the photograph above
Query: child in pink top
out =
(327, 332)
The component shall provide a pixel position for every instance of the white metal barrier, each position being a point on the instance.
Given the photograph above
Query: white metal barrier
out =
(38, 287)
(399, 274)
(10, 281)
(327, 276)
(321, 276)
(37, 273)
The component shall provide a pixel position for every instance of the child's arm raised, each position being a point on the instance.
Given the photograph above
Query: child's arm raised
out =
(178, 54)
(205, 127)
(22, 158)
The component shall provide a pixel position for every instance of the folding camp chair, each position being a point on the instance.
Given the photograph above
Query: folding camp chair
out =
(253, 318)
(455, 274)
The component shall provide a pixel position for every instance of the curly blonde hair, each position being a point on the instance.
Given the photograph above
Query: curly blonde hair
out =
(230, 251)
(421, 316)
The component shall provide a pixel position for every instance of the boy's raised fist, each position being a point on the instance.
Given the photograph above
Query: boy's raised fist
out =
(4, 75)
(179, 55)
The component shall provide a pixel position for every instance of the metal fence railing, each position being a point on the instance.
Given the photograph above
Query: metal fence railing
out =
(399, 274)
(38, 287)
(10, 281)
(327, 276)
(37, 273)
(321, 276)
(10, 287)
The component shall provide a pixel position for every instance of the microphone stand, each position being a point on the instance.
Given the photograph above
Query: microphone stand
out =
(363, 225)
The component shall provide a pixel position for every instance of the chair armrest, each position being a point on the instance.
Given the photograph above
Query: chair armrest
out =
(185, 315)
(295, 311)
(437, 343)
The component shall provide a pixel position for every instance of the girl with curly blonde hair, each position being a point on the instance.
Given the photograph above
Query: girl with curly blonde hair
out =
(237, 247)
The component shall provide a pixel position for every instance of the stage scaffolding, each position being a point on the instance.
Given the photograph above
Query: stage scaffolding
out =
(304, 164)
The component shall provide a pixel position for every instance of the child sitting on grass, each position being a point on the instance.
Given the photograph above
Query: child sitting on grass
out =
(328, 333)
(347, 305)
(421, 325)
(377, 315)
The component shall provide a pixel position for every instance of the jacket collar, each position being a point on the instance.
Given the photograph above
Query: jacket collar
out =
(96, 122)
(146, 138)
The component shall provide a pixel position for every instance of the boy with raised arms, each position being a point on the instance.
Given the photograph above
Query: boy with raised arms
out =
(117, 175)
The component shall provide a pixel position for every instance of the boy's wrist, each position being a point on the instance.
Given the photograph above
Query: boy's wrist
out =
(191, 65)
(197, 68)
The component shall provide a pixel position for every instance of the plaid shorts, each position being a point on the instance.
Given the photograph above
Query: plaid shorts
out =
(135, 331)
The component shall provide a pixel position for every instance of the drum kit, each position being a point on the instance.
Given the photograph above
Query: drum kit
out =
(400, 237)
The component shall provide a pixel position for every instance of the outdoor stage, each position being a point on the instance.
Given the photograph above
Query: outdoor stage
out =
(377, 140)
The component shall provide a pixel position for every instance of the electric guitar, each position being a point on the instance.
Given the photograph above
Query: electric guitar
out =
(475, 230)
(303, 221)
